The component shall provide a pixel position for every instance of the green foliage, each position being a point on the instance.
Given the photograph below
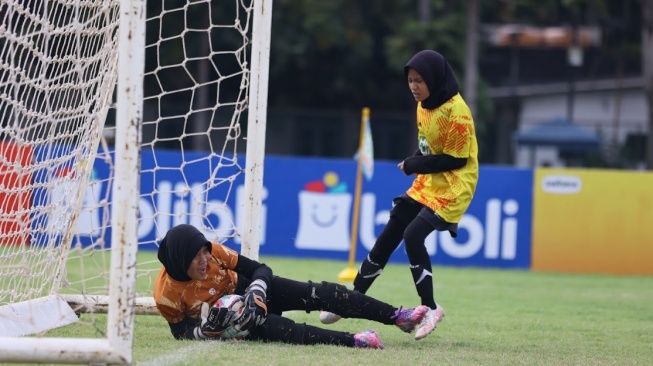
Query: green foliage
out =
(484, 109)
(347, 54)
(534, 12)
(494, 317)
(444, 35)
(331, 53)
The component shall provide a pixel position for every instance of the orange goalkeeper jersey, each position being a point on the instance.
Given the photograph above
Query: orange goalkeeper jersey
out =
(176, 300)
(448, 129)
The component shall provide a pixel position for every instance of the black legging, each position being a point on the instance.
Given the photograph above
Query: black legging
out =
(388, 241)
(279, 329)
(284, 295)
(403, 224)
(414, 237)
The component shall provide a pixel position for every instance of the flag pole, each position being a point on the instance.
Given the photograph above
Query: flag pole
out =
(349, 274)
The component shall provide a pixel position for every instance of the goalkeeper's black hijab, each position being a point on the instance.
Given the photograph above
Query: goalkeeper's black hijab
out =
(178, 249)
(438, 76)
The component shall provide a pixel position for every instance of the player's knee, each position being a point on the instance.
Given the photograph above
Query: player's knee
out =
(410, 236)
(403, 212)
(416, 232)
(324, 288)
(400, 217)
(319, 293)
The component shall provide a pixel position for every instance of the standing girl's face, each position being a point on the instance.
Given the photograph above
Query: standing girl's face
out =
(200, 263)
(417, 86)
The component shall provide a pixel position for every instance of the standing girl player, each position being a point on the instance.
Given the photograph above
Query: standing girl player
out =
(446, 172)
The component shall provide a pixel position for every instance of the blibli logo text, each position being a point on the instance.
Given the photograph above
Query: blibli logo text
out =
(175, 203)
(496, 237)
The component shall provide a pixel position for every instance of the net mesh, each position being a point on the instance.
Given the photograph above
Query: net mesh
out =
(58, 69)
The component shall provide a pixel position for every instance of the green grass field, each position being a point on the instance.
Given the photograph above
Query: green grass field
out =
(493, 317)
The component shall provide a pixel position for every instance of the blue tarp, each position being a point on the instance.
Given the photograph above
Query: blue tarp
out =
(560, 133)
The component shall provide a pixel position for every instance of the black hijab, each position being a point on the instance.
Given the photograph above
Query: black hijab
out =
(438, 76)
(178, 249)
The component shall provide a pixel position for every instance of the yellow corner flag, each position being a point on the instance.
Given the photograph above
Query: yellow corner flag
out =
(366, 149)
(365, 157)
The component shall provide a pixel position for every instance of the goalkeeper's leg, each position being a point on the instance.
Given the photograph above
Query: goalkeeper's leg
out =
(372, 266)
(279, 329)
(287, 294)
(402, 214)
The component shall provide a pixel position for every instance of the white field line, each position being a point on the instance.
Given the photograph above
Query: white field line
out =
(179, 356)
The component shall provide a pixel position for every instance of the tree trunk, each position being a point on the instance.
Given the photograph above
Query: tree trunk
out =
(202, 123)
(471, 55)
(424, 11)
(647, 68)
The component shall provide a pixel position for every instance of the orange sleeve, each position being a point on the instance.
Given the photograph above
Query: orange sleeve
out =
(226, 257)
(167, 298)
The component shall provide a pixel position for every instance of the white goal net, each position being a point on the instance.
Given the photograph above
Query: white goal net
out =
(118, 120)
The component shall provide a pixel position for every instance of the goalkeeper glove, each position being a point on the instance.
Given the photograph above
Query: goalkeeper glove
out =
(256, 308)
(213, 321)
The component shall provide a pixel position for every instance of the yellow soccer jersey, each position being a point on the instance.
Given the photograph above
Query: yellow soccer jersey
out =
(176, 300)
(448, 129)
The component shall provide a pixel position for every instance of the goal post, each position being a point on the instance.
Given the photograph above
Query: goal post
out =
(256, 124)
(118, 120)
(126, 184)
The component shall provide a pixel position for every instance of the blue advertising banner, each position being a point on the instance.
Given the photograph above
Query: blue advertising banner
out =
(308, 203)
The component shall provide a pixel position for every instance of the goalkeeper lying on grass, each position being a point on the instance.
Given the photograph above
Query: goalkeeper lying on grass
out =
(196, 273)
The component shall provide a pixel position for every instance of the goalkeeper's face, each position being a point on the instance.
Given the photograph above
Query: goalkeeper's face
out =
(417, 86)
(198, 266)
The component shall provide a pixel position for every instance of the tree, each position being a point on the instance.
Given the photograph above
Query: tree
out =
(344, 54)
(647, 64)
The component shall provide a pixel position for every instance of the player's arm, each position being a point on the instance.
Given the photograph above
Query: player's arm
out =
(429, 164)
(255, 297)
(253, 270)
(455, 150)
(188, 328)
(213, 321)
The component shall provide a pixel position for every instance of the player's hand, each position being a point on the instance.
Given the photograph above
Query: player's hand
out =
(215, 320)
(256, 308)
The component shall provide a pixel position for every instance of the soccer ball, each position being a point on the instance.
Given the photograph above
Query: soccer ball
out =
(232, 303)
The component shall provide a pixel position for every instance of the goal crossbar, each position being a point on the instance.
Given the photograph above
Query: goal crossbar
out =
(63, 350)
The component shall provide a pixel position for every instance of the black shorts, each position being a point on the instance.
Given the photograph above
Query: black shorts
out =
(407, 209)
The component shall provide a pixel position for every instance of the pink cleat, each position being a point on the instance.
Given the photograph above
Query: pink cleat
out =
(408, 319)
(367, 339)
